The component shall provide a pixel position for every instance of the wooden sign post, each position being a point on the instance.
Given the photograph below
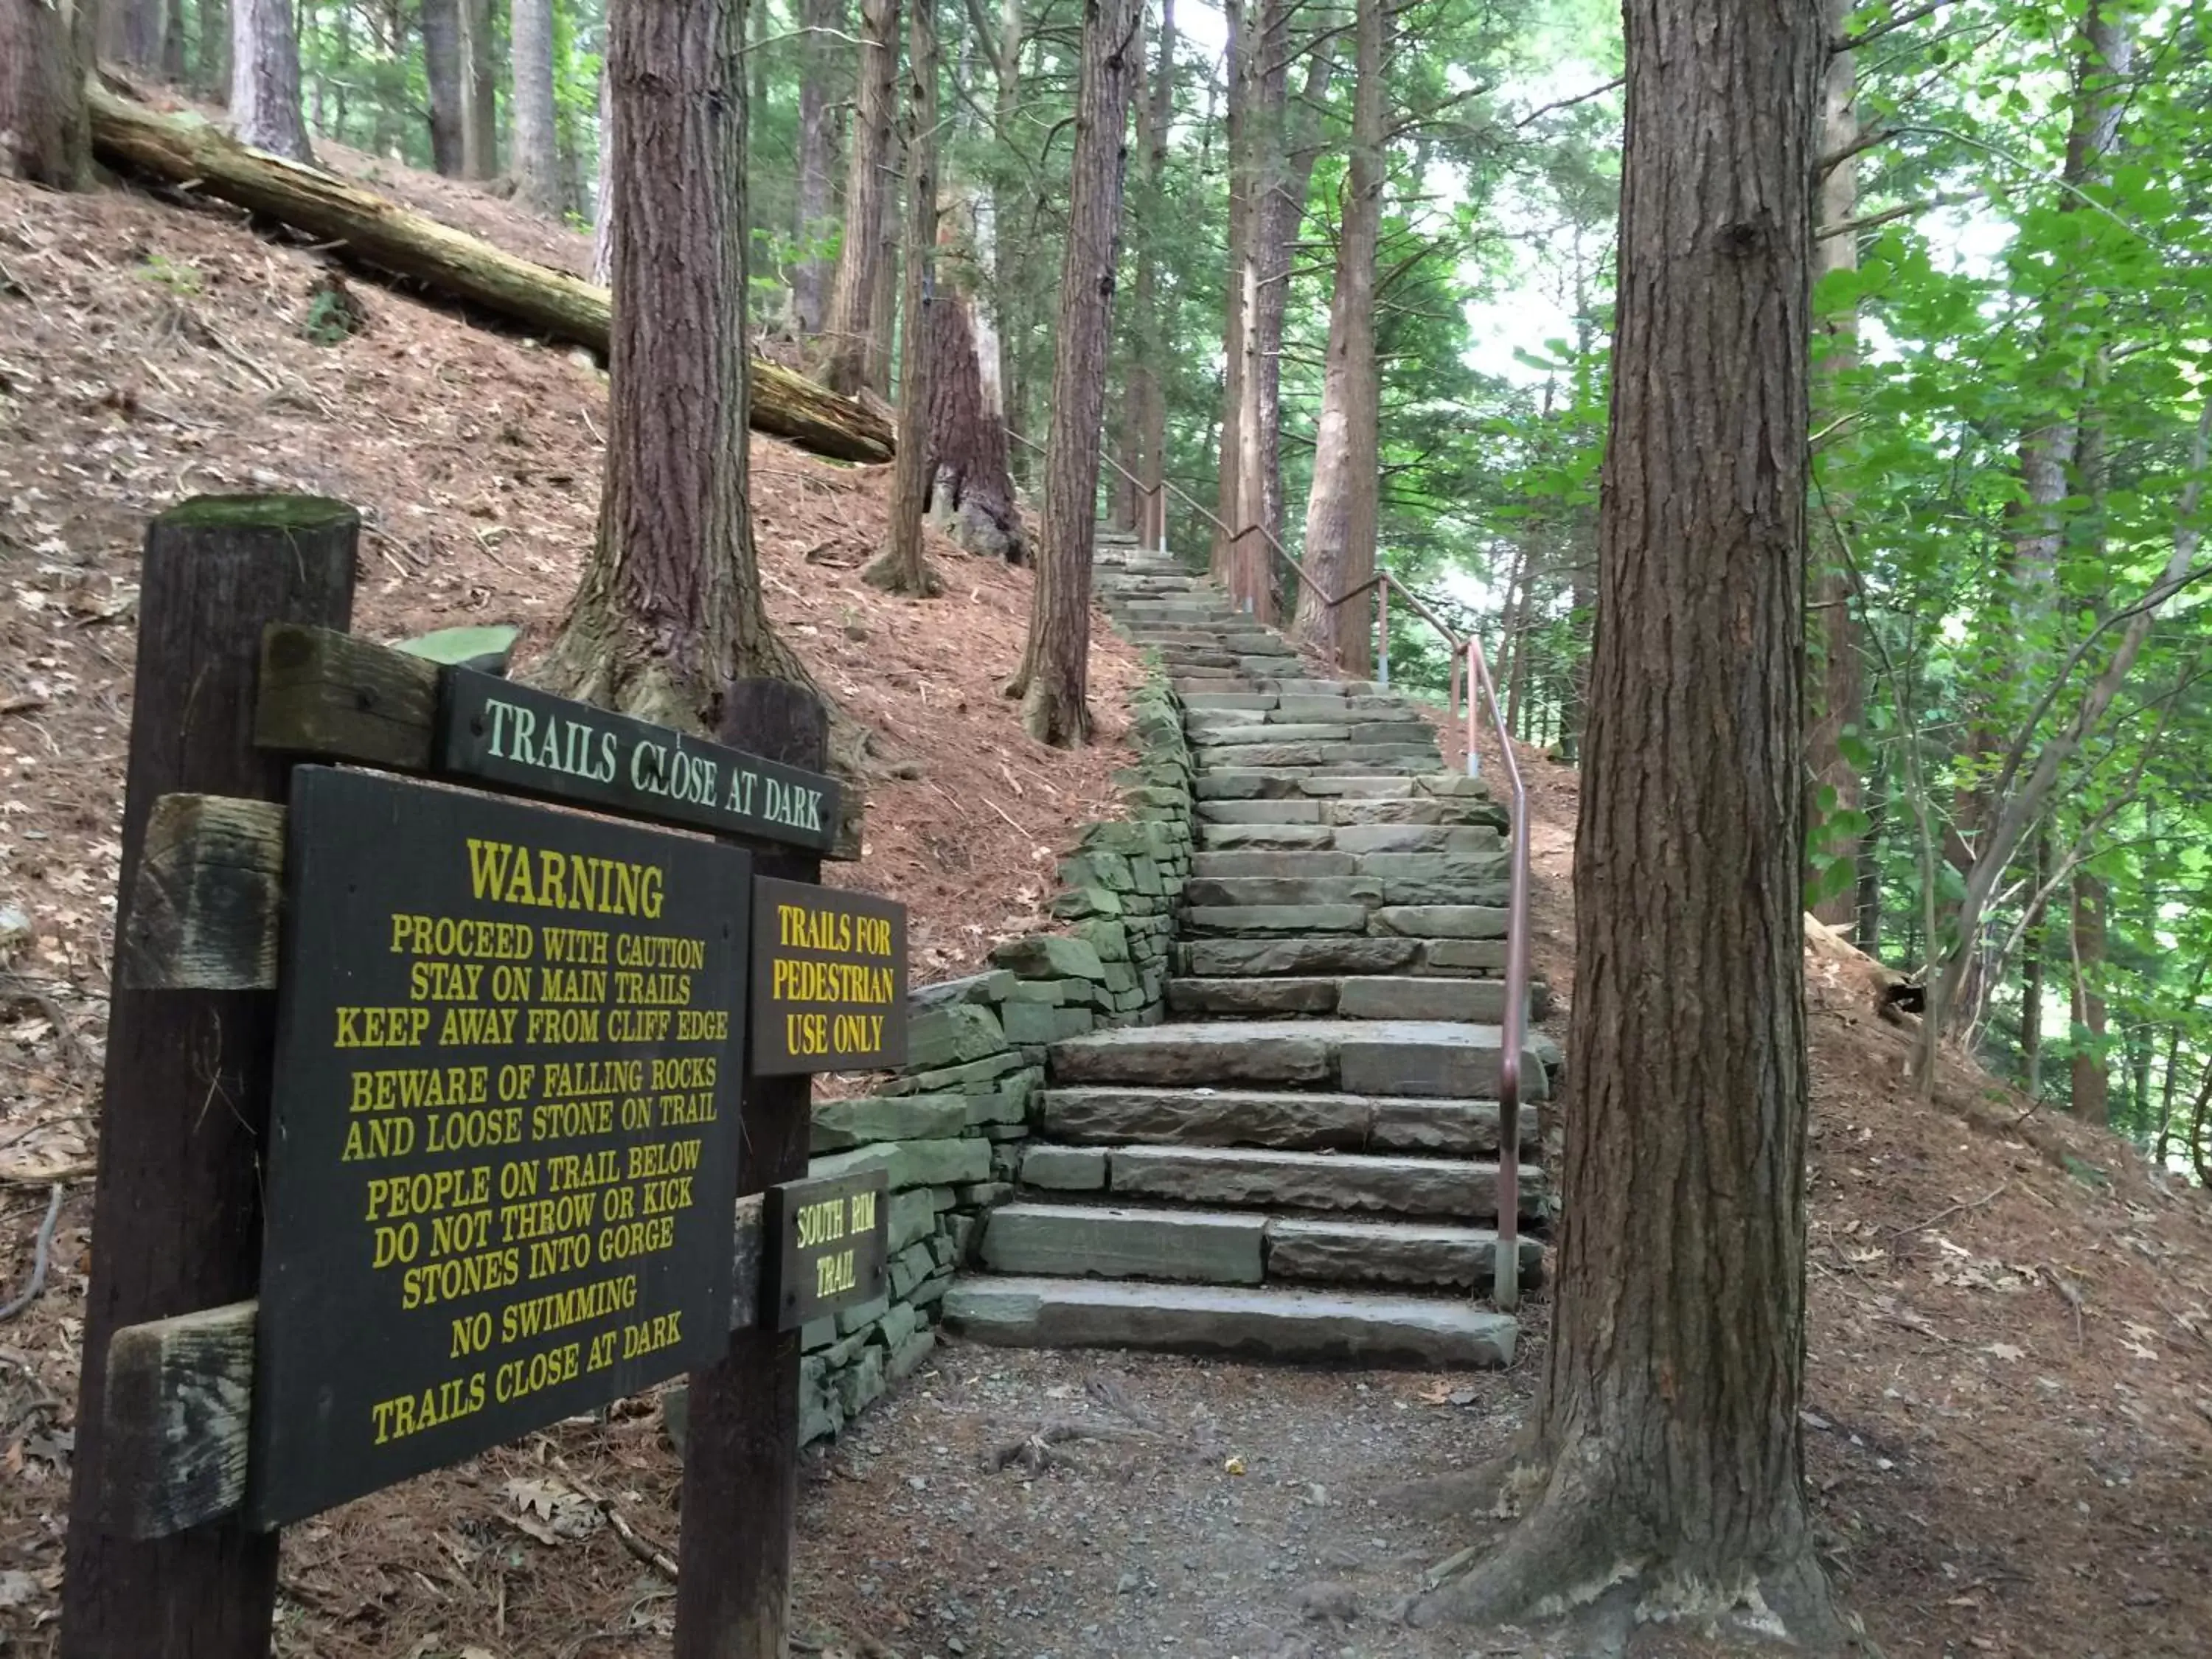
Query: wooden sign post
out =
(177, 1208)
(486, 1065)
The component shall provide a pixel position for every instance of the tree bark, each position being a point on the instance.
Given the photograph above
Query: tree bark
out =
(381, 234)
(174, 66)
(46, 52)
(1667, 1437)
(1006, 196)
(818, 59)
(602, 194)
(211, 49)
(669, 611)
(1284, 153)
(2091, 1093)
(138, 28)
(441, 68)
(264, 79)
(536, 137)
(1054, 680)
(847, 332)
(480, 89)
(2030, 978)
(1145, 440)
(903, 569)
(1238, 58)
(1341, 506)
(882, 308)
(970, 482)
(1837, 689)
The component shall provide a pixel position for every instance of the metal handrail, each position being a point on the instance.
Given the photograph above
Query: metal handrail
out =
(1505, 1265)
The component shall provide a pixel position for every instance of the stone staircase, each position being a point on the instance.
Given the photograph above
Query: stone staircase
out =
(1301, 1163)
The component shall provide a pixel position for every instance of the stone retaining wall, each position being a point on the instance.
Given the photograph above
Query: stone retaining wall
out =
(951, 1128)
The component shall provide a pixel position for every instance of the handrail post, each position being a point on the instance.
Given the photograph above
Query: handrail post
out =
(1383, 632)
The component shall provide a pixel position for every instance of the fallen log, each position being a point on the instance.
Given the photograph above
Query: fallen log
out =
(379, 233)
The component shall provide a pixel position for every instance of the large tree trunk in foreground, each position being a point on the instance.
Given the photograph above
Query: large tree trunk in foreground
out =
(1055, 677)
(536, 137)
(972, 483)
(1668, 1473)
(46, 52)
(847, 329)
(264, 79)
(380, 234)
(443, 72)
(817, 135)
(903, 569)
(1341, 506)
(669, 609)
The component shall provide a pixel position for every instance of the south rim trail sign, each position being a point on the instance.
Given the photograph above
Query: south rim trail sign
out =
(484, 1063)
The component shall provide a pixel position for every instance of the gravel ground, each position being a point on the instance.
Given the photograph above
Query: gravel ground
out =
(1058, 1505)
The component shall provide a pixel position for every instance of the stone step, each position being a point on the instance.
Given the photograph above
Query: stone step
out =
(1282, 890)
(1267, 1178)
(1219, 701)
(1230, 783)
(1248, 732)
(1332, 758)
(1340, 955)
(1275, 921)
(1430, 1058)
(1397, 1255)
(1248, 1322)
(1115, 1242)
(1286, 1119)
(1228, 1247)
(1349, 997)
(1464, 841)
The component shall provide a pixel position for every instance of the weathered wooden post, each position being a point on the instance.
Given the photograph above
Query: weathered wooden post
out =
(741, 1442)
(177, 1209)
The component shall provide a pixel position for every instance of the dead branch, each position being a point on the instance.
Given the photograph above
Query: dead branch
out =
(41, 1253)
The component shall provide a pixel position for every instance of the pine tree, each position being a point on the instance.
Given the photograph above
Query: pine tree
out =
(46, 52)
(264, 79)
(536, 138)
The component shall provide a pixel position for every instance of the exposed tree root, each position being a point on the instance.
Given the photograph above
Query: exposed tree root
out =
(1496, 1488)
(890, 573)
(1584, 1557)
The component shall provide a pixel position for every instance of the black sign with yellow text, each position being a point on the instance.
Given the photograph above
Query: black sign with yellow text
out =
(503, 1153)
(517, 738)
(832, 1239)
(829, 981)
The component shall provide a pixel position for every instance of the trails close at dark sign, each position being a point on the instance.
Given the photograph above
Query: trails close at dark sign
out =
(829, 981)
(517, 738)
(503, 1153)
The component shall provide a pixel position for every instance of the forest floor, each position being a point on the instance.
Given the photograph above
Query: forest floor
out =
(2008, 1421)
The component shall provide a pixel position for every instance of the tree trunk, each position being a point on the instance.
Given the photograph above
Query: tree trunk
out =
(1837, 687)
(668, 612)
(818, 59)
(2091, 1092)
(1144, 425)
(1341, 505)
(1152, 331)
(882, 308)
(139, 29)
(1284, 153)
(971, 481)
(1238, 59)
(1055, 679)
(264, 79)
(390, 238)
(603, 195)
(846, 332)
(2031, 979)
(536, 138)
(211, 50)
(903, 569)
(1670, 1474)
(441, 67)
(480, 92)
(46, 50)
(1006, 197)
